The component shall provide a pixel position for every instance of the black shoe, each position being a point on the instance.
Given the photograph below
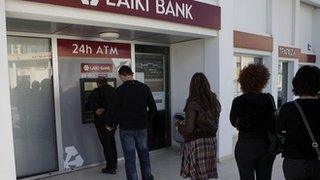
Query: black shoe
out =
(108, 171)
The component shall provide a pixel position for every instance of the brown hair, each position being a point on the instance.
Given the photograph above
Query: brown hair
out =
(254, 78)
(200, 92)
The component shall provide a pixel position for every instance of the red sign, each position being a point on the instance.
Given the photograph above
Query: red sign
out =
(78, 48)
(188, 12)
(96, 68)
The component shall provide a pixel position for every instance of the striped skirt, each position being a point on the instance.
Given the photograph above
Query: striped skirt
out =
(199, 159)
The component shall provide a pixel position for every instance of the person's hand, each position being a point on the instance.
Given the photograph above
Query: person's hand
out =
(99, 111)
(178, 123)
(109, 128)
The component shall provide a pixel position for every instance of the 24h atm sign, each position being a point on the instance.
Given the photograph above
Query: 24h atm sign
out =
(178, 11)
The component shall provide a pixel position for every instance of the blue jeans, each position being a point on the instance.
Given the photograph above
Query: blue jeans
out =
(132, 140)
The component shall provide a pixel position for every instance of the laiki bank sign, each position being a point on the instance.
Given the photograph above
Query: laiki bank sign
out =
(187, 12)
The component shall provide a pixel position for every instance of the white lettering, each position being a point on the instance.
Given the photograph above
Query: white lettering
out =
(106, 49)
(109, 3)
(75, 51)
(170, 9)
(188, 12)
(88, 49)
(147, 5)
(123, 3)
(114, 50)
(139, 5)
(82, 49)
(180, 10)
(99, 50)
(160, 7)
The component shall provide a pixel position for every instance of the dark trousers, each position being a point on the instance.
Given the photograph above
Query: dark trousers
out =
(253, 160)
(295, 169)
(132, 140)
(108, 143)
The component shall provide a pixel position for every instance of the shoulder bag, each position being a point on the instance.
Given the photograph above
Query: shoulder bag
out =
(315, 144)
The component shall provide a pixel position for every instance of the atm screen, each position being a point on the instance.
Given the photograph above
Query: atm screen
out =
(90, 86)
(87, 85)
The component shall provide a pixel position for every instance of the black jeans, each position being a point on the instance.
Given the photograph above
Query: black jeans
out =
(296, 169)
(253, 160)
(108, 143)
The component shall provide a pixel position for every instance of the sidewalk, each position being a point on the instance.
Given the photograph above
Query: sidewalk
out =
(166, 166)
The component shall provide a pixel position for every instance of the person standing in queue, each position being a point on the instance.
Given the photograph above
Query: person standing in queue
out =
(104, 104)
(136, 108)
(253, 114)
(199, 131)
(297, 121)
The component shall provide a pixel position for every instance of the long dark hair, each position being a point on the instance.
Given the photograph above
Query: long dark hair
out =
(200, 92)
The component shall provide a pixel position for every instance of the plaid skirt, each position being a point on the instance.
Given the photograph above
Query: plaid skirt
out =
(199, 159)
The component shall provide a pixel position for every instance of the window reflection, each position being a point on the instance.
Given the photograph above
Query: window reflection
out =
(32, 105)
(241, 62)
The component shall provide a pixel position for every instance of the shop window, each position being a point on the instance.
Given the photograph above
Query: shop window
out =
(240, 63)
(32, 105)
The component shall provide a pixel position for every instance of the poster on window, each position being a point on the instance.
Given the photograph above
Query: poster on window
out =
(159, 98)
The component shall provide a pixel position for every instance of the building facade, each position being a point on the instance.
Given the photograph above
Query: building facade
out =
(51, 52)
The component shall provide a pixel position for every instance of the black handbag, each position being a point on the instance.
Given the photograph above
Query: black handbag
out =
(275, 141)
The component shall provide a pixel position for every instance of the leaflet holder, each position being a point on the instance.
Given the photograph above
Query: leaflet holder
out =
(87, 85)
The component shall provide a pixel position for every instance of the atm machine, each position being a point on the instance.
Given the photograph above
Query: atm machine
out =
(87, 85)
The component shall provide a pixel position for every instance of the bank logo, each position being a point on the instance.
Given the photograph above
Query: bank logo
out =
(86, 68)
(73, 158)
(90, 2)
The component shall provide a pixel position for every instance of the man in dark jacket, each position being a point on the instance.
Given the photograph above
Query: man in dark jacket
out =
(136, 107)
(104, 103)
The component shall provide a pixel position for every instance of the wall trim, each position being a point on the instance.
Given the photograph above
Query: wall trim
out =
(308, 58)
(247, 40)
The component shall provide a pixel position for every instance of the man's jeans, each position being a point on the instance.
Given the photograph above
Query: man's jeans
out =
(132, 140)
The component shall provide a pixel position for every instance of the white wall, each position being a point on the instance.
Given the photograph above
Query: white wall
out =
(251, 16)
(7, 164)
(286, 23)
(186, 59)
(305, 26)
(220, 70)
(316, 35)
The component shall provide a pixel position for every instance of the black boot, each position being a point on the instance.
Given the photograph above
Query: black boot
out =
(109, 170)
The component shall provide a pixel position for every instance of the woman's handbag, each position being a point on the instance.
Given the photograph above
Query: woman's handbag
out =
(275, 141)
(315, 144)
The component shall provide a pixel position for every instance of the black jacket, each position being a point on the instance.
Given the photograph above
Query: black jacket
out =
(253, 113)
(104, 98)
(298, 143)
(135, 99)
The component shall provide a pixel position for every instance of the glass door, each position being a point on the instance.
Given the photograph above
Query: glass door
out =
(240, 63)
(151, 69)
(32, 105)
(283, 77)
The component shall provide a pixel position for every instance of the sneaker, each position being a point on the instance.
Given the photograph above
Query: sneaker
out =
(108, 171)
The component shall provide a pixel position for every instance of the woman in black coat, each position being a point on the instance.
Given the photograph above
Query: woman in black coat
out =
(300, 158)
(252, 113)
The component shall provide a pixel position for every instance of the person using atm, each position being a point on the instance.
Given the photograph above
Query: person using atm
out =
(103, 100)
